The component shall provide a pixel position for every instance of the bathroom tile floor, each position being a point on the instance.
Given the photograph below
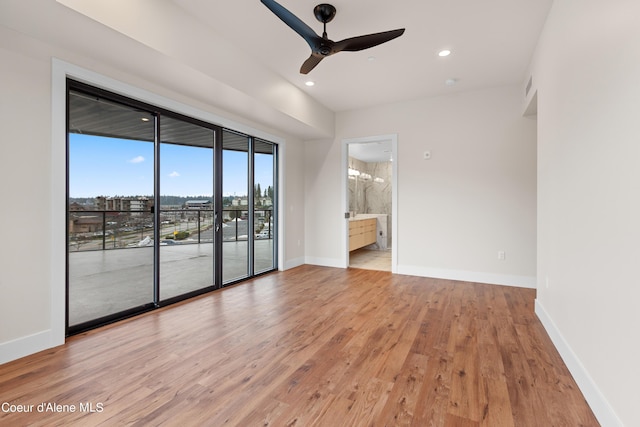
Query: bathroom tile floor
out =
(370, 259)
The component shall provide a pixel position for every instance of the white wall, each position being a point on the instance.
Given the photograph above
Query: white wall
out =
(586, 73)
(323, 204)
(25, 120)
(475, 197)
(292, 183)
(32, 175)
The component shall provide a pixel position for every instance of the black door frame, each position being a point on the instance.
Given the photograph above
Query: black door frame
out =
(158, 112)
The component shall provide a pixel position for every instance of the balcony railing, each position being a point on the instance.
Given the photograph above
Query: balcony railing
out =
(105, 230)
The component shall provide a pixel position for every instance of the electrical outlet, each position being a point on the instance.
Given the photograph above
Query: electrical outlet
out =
(501, 255)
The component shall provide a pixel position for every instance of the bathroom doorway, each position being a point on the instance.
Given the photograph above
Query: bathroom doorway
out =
(369, 202)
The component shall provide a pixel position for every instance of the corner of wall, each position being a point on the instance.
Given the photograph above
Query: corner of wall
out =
(594, 397)
(24, 346)
(293, 263)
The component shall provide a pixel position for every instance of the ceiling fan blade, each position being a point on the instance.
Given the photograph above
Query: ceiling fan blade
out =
(365, 42)
(310, 63)
(295, 23)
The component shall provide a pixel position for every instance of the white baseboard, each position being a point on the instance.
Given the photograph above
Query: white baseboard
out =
(325, 262)
(594, 397)
(24, 346)
(469, 276)
(293, 263)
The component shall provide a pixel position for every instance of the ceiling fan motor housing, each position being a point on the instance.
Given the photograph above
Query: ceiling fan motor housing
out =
(324, 12)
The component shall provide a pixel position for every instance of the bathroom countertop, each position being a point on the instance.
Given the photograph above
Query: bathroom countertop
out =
(365, 216)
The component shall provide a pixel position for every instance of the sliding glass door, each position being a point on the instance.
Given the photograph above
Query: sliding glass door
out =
(186, 207)
(110, 223)
(160, 207)
(264, 167)
(249, 197)
(237, 231)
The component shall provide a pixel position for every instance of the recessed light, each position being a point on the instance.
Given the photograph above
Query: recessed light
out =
(145, 119)
(371, 58)
(444, 52)
(451, 82)
(310, 83)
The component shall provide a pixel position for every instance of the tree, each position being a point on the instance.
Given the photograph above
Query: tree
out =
(257, 194)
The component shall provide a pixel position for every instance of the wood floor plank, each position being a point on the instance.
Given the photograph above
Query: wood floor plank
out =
(312, 346)
(403, 399)
(494, 393)
(367, 402)
(433, 398)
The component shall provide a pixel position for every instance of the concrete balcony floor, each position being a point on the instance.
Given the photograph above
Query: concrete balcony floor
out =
(105, 282)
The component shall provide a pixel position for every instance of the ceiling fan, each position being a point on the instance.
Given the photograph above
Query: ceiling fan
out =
(322, 47)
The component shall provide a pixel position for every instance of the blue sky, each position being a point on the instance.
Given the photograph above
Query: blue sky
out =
(109, 167)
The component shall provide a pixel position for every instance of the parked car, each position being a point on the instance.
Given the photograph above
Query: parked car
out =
(265, 234)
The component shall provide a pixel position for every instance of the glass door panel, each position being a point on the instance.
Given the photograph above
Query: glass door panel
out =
(160, 207)
(264, 201)
(235, 206)
(186, 207)
(110, 223)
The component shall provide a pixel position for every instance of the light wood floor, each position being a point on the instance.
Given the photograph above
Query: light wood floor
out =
(312, 346)
(370, 259)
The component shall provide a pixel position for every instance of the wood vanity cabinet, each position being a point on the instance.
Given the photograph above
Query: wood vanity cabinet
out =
(362, 232)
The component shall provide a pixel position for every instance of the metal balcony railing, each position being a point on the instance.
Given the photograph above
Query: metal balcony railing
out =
(105, 230)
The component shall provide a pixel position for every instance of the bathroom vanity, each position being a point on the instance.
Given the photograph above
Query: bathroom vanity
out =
(362, 232)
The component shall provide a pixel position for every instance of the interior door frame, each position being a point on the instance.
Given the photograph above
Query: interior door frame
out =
(393, 138)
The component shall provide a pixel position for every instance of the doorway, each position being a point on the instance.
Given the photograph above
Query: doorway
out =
(369, 202)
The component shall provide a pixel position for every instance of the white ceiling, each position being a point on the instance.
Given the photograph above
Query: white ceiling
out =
(372, 152)
(239, 57)
(492, 42)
